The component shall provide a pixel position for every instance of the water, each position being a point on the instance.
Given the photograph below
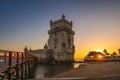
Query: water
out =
(42, 71)
(1, 60)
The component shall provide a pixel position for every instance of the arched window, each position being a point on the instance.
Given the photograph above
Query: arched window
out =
(63, 45)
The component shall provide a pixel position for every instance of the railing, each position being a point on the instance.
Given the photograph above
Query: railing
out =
(18, 66)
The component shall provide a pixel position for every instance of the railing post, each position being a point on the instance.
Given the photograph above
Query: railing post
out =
(29, 64)
(17, 61)
(14, 56)
(5, 57)
(10, 68)
(25, 66)
(17, 67)
(22, 71)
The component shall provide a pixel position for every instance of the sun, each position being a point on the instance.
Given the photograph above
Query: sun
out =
(100, 56)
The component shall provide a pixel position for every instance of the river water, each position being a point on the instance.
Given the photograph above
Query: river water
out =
(42, 71)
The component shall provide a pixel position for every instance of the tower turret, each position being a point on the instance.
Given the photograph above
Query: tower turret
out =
(25, 49)
(30, 50)
(45, 46)
(63, 16)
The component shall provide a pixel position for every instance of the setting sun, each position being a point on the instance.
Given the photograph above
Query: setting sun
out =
(99, 56)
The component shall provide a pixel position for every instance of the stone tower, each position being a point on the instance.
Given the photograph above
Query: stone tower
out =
(61, 39)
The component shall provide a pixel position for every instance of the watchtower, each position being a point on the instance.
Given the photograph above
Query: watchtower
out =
(61, 39)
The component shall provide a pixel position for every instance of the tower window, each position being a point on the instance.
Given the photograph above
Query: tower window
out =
(63, 45)
(55, 47)
(55, 34)
(55, 40)
(69, 47)
(69, 40)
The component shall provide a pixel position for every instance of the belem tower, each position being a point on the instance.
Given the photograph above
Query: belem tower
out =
(60, 45)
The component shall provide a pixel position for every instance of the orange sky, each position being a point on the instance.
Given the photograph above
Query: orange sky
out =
(80, 54)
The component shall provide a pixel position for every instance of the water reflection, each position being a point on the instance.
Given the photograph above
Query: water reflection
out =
(1, 60)
(76, 65)
(42, 71)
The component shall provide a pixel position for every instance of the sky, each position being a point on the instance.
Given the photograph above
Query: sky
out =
(26, 23)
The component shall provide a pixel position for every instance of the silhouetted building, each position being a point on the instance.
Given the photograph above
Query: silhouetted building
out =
(98, 56)
(94, 56)
(44, 55)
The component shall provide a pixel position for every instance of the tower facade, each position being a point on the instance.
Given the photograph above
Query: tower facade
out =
(61, 39)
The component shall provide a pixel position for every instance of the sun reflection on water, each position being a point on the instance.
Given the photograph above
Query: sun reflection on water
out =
(76, 65)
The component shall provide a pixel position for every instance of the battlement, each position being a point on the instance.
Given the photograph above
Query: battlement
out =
(62, 20)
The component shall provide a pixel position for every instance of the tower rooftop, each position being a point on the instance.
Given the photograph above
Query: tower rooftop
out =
(60, 20)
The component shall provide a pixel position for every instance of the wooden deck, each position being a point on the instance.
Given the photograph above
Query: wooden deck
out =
(16, 65)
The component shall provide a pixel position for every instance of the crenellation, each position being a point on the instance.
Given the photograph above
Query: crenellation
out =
(60, 22)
